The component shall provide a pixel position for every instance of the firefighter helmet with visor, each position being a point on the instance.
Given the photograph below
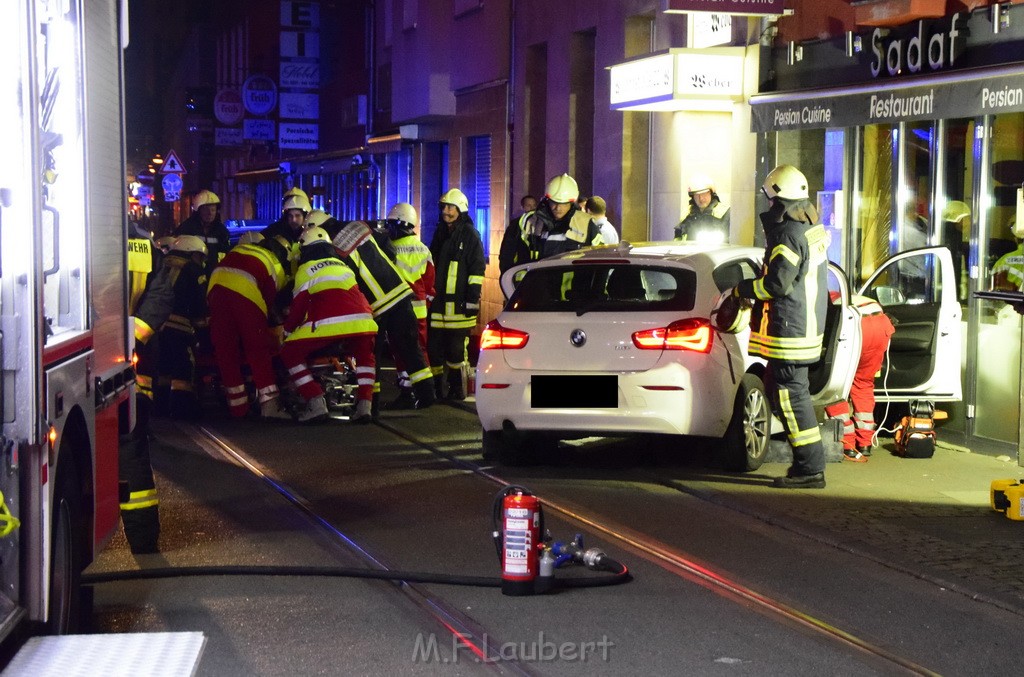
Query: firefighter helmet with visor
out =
(786, 182)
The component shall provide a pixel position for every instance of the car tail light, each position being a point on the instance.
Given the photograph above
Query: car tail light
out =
(691, 334)
(496, 337)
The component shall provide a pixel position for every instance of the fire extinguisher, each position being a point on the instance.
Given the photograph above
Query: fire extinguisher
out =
(519, 534)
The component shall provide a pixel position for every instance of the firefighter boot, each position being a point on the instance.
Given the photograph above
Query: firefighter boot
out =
(405, 400)
(438, 386)
(375, 406)
(457, 384)
(424, 393)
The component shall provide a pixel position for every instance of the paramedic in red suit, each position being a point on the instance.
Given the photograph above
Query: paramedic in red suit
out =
(859, 428)
(328, 308)
(242, 293)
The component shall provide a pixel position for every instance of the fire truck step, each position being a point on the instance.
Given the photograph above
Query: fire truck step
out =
(168, 654)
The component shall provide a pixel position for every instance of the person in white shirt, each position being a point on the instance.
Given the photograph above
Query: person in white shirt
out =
(597, 208)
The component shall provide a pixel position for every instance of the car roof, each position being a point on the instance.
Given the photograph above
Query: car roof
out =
(698, 256)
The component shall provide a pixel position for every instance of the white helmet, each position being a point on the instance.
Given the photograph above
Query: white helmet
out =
(317, 217)
(193, 244)
(456, 197)
(562, 188)
(786, 182)
(313, 235)
(164, 243)
(250, 237)
(300, 202)
(205, 197)
(405, 212)
(699, 183)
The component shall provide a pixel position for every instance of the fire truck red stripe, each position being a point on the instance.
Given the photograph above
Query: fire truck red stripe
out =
(62, 351)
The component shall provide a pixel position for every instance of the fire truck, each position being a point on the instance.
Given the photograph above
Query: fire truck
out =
(67, 387)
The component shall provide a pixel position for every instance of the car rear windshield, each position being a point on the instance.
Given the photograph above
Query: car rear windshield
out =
(620, 287)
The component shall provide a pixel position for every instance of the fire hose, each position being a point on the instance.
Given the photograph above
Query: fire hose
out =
(541, 558)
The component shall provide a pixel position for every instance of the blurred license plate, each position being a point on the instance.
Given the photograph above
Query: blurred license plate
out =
(576, 392)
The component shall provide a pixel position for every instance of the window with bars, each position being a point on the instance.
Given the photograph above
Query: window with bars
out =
(478, 177)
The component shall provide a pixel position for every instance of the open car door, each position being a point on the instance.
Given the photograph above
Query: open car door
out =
(831, 377)
(917, 289)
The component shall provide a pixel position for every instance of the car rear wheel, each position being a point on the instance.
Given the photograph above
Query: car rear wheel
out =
(745, 443)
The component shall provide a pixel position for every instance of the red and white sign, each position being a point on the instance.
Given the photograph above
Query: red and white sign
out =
(259, 94)
(228, 108)
(172, 165)
(747, 7)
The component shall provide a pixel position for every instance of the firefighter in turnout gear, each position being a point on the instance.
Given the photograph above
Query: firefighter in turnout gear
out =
(185, 265)
(414, 262)
(328, 309)
(708, 218)
(459, 260)
(859, 431)
(295, 206)
(242, 295)
(390, 299)
(557, 225)
(152, 299)
(205, 224)
(788, 318)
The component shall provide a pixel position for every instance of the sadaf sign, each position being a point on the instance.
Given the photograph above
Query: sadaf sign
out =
(725, 6)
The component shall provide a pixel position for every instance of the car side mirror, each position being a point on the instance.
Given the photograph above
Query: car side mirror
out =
(889, 296)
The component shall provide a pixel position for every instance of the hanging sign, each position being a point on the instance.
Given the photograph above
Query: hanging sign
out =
(172, 187)
(259, 94)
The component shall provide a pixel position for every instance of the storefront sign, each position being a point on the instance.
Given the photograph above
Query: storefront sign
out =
(895, 55)
(301, 106)
(708, 30)
(258, 130)
(227, 107)
(644, 81)
(300, 44)
(298, 14)
(300, 136)
(990, 93)
(296, 75)
(749, 7)
(259, 94)
(228, 136)
(682, 79)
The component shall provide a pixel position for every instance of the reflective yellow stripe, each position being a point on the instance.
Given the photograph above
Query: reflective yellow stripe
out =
(240, 282)
(341, 325)
(786, 253)
(476, 279)
(141, 499)
(419, 306)
(759, 290)
(421, 375)
(143, 332)
(453, 276)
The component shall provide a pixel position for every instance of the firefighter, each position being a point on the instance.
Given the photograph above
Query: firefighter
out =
(788, 319)
(859, 432)
(328, 308)
(152, 301)
(294, 203)
(185, 265)
(390, 298)
(708, 218)
(243, 296)
(205, 224)
(557, 225)
(413, 260)
(459, 259)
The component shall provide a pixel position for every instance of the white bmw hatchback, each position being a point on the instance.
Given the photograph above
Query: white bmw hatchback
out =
(617, 341)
